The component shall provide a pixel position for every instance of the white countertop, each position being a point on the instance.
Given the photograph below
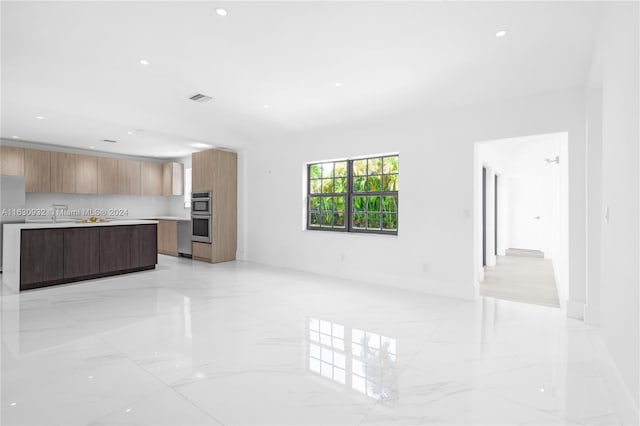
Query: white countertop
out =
(177, 218)
(45, 225)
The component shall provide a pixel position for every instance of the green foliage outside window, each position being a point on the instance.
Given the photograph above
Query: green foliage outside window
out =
(356, 195)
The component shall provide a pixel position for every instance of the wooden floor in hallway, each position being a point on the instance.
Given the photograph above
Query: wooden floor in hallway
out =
(526, 279)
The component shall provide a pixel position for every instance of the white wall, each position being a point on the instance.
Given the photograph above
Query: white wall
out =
(620, 191)
(594, 205)
(434, 251)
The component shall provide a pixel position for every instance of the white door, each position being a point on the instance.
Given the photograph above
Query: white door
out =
(526, 204)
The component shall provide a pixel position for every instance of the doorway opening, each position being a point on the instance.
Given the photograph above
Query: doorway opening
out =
(522, 219)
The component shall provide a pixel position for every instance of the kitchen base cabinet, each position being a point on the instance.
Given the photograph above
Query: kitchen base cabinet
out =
(144, 246)
(41, 257)
(168, 237)
(114, 242)
(81, 252)
(51, 256)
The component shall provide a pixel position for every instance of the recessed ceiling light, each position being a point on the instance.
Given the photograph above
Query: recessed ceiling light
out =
(201, 145)
(15, 137)
(13, 404)
(130, 132)
(221, 12)
(338, 84)
(39, 117)
(144, 62)
(266, 105)
(92, 147)
(501, 33)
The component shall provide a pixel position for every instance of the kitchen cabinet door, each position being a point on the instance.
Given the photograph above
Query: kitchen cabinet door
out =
(41, 257)
(129, 177)
(144, 246)
(203, 168)
(173, 178)
(63, 172)
(81, 252)
(168, 237)
(152, 178)
(86, 174)
(115, 252)
(11, 161)
(107, 175)
(37, 170)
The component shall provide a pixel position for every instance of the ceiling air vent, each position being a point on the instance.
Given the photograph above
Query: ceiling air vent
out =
(109, 141)
(199, 97)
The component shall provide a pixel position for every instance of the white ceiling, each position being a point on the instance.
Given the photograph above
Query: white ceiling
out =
(77, 64)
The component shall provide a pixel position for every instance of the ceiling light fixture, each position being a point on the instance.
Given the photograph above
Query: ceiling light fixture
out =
(15, 137)
(39, 117)
(144, 62)
(501, 33)
(201, 145)
(130, 132)
(221, 12)
(338, 84)
(266, 105)
(92, 147)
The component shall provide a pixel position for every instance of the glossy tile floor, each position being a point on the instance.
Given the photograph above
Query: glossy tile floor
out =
(236, 343)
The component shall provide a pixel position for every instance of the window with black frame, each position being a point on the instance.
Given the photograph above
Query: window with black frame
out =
(358, 195)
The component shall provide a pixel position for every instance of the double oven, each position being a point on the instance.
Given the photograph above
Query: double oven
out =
(201, 216)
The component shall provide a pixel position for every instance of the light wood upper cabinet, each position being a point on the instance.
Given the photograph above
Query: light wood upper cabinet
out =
(37, 170)
(60, 172)
(152, 178)
(107, 175)
(63, 172)
(129, 177)
(11, 161)
(173, 179)
(86, 170)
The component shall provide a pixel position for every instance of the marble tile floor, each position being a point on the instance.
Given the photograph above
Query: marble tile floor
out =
(237, 343)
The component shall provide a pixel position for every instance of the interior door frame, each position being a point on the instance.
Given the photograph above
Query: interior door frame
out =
(484, 216)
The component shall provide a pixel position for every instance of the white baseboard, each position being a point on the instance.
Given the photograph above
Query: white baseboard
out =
(575, 309)
(626, 407)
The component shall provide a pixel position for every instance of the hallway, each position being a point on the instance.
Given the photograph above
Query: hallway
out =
(526, 279)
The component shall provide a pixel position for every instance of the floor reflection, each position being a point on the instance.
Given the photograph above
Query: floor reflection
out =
(358, 359)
